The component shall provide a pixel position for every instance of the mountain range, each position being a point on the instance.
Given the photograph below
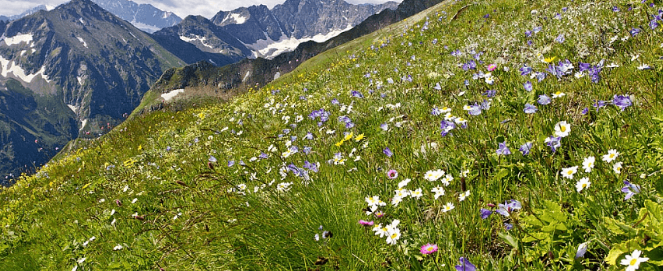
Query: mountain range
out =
(78, 69)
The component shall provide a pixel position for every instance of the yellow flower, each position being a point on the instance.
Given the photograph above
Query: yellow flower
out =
(338, 144)
(359, 137)
(348, 137)
(549, 59)
(140, 147)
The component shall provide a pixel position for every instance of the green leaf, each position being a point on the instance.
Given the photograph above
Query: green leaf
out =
(509, 239)
(618, 227)
(655, 256)
(655, 210)
(503, 173)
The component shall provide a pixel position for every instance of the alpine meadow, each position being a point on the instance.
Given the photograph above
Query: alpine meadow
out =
(475, 135)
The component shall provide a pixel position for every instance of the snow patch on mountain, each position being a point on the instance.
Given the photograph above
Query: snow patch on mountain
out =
(269, 48)
(8, 67)
(73, 108)
(16, 40)
(82, 41)
(237, 18)
(168, 96)
(197, 38)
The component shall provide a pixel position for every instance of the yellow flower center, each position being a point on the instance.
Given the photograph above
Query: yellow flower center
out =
(569, 172)
(612, 155)
(633, 262)
(563, 128)
(584, 185)
(393, 236)
(429, 248)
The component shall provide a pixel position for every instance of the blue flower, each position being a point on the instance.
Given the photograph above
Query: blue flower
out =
(635, 31)
(485, 213)
(387, 152)
(560, 38)
(508, 226)
(528, 86)
(544, 99)
(212, 159)
(530, 109)
(554, 143)
(503, 149)
(630, 189)
(622, 101)
(465, 265)
(526, 148)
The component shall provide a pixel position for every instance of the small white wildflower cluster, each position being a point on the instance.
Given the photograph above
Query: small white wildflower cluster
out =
(391, 231)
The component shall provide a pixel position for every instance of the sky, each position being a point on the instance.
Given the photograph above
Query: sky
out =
(182, 8)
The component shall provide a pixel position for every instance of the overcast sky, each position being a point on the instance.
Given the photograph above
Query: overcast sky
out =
(182, 8)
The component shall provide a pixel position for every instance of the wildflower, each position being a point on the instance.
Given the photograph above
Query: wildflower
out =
(588, 164)
(428, 249)
(528, 86)
(582, 248)
(508, 207)
(448, 207)
(433, 175)
(359, 137)
(447, 179)
(617, 167)
(316, 237)
(582, 184)
(393, 237)
(544, 99)
(526, 148)
(416, 193)
(492, 67)
(530, 109)
(490, 93)
(392, 174)
(633, 261)
(611, 156)
(634, 31)
(621, 101)
(560, 38)
(465, 265)
(387, 152)
(120, 247)
(569, 172)
(525, 70)
(485, 213)
(503, 149)
(439, 191)
(403, 183)
(630, 189)
(562, 129)
(464, 195)
(366, 223)
(338, 159)
(558, 94)
(384, 126)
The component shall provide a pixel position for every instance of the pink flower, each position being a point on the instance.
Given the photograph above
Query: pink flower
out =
(379, 214)
(492, 67)
(392, 174)
(366, 223)
(428, 249)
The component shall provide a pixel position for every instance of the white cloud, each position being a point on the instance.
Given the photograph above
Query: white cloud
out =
(182, 8)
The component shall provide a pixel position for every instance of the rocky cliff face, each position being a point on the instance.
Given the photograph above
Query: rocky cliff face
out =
(144, 16)
(78, 62)
(267, 33)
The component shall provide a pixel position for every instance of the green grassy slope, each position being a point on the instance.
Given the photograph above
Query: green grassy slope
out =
(279, 178)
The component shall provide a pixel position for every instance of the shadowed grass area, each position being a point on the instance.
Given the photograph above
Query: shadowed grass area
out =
(431, 133)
